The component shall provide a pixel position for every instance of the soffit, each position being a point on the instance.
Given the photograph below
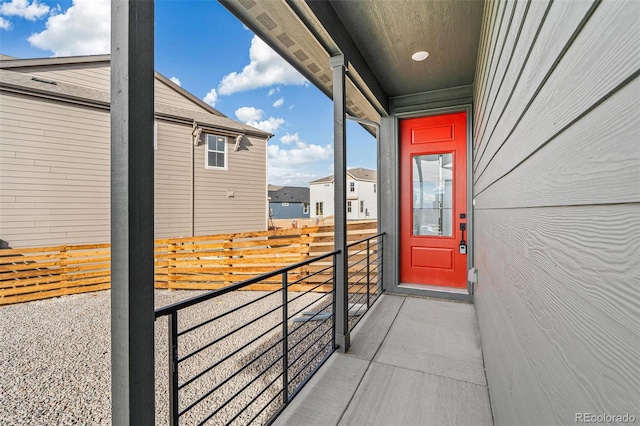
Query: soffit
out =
(388, 32)
(378, 38)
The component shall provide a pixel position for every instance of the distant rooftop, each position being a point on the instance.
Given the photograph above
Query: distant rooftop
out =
(357, 174)
(288, 194)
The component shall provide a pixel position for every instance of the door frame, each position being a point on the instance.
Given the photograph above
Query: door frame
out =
(392, 282)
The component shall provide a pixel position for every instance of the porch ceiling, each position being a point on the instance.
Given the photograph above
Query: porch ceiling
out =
(378, 38)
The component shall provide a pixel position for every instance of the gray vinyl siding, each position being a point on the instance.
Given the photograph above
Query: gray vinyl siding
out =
(557, 209)
(245, 176)
(172, 184)
(166, 95)
(292, 211)
(54, 172)
(96, 76)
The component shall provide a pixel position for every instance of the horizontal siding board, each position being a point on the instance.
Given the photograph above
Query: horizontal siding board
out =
(591, 163)
(497, 57)
(246, 175)
(581, 359)
(556, 299)
(559, 25)
(54, 169)
(496, 13)
(565, 96)
(95, 77)
(166, 95)
(527, 19)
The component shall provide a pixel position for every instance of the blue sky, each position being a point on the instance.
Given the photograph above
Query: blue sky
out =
(206, 50)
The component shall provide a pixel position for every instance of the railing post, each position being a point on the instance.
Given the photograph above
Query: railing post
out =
(379, 264)
(333, 297)
(173, 368)
(338, 64)
(368, 270)
(285, 339)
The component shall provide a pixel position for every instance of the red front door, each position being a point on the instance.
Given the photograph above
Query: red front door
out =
(433, 200)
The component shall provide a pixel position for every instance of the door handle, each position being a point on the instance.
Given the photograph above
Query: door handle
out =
(463, 243)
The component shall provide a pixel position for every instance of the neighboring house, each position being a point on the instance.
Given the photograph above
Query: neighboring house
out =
(288, 202)
(362, 198)
(210, 171)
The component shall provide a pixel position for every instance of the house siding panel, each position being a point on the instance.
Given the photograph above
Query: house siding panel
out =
(95, 76)
(215, 212)
(557, 214)
(52, 187)
(55, 174)
(166, 95)
(292, 211)
(172, 180)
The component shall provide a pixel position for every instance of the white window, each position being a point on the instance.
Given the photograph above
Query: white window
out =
(319, 209)
(352, 187)
(305, 208)
(361, 206)
(216, 152)
(375, 188)
(348, 206)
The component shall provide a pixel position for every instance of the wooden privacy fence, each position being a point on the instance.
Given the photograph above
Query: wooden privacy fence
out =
(198, 263)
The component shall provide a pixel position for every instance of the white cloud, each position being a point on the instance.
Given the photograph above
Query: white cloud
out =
(245, 114)
(266, 68)
(300, 155)
(4, 24)
(253, 117)
(24, 9)
(278, 103)
(295, 166)
(288, 177)
(211, 98)
(177, 81)
(83, 29)
(270, 125)
(273, 91)
(288, 138)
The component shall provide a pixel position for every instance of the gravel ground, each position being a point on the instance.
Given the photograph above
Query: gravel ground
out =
(55, 357)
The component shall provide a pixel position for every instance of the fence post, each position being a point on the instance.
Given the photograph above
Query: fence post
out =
(285, 339)
(64, 273)
(304, 252)
(228, 253)
(171, 265)
(305, 246)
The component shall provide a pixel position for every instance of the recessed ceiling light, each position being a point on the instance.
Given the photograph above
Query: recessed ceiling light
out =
(420, 56)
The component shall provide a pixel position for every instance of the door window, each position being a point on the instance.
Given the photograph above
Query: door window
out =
(433, 194)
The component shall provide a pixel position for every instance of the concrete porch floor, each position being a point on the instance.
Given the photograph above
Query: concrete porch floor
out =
(413, 361)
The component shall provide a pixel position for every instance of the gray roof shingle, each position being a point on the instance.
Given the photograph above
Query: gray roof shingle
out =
(289, 194)
(358, 174)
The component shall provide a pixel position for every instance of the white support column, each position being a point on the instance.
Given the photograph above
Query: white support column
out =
(339, 65)
(132, 309)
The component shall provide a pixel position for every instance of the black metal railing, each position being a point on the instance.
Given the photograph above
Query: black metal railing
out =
(364, 258)
(239, 357)
(243, 363)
